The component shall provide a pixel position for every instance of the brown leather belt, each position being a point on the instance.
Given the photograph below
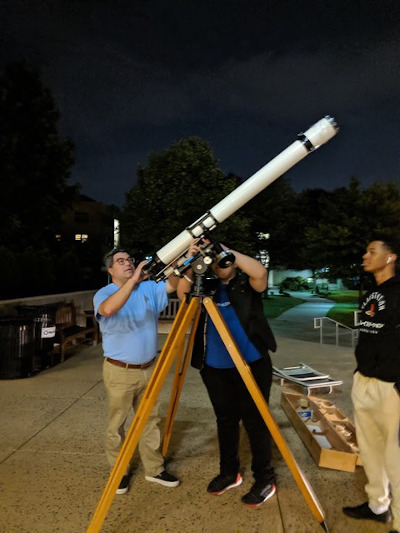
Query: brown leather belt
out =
(128, 365)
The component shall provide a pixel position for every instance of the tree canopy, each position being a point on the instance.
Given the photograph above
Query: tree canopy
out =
(35, 165)
(274, 224)
(178, 185)
(34, 162)
(337, 225)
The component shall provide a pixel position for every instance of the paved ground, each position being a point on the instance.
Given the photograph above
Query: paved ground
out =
(53, 470)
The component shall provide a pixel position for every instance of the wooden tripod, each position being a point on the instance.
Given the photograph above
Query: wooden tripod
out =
(189, 313)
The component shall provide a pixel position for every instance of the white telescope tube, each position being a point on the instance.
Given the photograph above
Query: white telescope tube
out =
(318, 134)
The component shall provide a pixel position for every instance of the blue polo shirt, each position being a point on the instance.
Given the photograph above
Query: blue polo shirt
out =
(130, 335)
(217, 355)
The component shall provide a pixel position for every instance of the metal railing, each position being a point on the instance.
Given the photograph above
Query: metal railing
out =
(170, 311)
(320, 322)
(357, 317)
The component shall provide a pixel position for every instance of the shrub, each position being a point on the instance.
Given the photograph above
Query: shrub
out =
(293, 284)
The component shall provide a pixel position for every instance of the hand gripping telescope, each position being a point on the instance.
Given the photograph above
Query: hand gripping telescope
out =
(321, 132)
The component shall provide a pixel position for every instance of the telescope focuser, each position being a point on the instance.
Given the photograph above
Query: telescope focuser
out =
(224, 258)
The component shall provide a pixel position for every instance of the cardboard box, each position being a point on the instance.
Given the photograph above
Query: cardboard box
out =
(326, 432)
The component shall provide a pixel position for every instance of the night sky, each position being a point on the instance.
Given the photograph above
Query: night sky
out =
(131, 77)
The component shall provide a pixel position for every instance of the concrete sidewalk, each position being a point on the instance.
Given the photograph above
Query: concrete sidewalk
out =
(298, 322)
(53, 468)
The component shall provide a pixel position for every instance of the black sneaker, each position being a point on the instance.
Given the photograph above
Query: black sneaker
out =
(259, 493)
(168, 480)
(222, 483)
(123, 486)
(364, 512)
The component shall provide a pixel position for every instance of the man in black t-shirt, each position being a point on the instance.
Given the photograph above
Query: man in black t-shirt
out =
(375, 391)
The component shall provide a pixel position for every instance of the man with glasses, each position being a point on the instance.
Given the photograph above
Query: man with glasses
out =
(127, 311)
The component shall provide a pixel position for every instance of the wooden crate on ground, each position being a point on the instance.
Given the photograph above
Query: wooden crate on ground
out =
(326, 432)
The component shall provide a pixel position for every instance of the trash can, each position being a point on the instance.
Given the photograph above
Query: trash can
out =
(17, 347)
(44, 323)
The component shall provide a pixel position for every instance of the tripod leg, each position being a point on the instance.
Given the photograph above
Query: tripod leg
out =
(164, 363)
(263, 408)
(180, 373)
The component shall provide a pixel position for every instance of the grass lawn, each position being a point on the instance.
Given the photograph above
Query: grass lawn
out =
(346, 304)
(275, 305)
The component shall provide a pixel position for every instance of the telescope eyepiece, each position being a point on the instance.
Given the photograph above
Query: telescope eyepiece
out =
(225, 259)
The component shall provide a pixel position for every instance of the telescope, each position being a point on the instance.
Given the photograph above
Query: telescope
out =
(170, 259)
(160, 266)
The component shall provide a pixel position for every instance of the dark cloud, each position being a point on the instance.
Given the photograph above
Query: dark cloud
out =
(130, 77)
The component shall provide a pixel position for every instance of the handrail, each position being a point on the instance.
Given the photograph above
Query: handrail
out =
(319, 324)
(170, 311)
(357, 317)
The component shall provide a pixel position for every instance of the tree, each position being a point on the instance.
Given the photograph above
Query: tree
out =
(179, 184)
(35, 165)
(34, 162)
(344, 221)
(330, 221)
(273, 213)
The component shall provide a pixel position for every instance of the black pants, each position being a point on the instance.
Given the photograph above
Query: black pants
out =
(232, 402)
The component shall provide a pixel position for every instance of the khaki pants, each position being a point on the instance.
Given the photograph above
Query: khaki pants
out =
(125, 389)
(377, 418)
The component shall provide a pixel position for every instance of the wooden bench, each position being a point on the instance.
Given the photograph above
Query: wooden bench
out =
(67, 329)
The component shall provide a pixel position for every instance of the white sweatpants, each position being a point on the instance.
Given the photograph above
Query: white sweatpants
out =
(377, 419)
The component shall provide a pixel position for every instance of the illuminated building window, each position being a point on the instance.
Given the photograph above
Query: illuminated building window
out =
(58, 236)
(82, 237)
(116, 233)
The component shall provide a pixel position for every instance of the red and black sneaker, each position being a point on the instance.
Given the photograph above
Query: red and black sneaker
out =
(259, 493)
(222, 483)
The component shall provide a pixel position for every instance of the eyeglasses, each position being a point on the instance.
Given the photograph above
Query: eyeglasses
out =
(123, 260)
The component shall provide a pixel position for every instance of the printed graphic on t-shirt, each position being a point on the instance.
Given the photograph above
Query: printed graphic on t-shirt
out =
(374, 304)
(371, 311)
(375, 299)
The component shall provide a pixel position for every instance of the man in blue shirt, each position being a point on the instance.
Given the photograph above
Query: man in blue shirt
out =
(127, 311)
(238, 297)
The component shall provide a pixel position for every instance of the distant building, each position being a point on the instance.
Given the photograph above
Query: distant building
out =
(276, 276)
(90, 222)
